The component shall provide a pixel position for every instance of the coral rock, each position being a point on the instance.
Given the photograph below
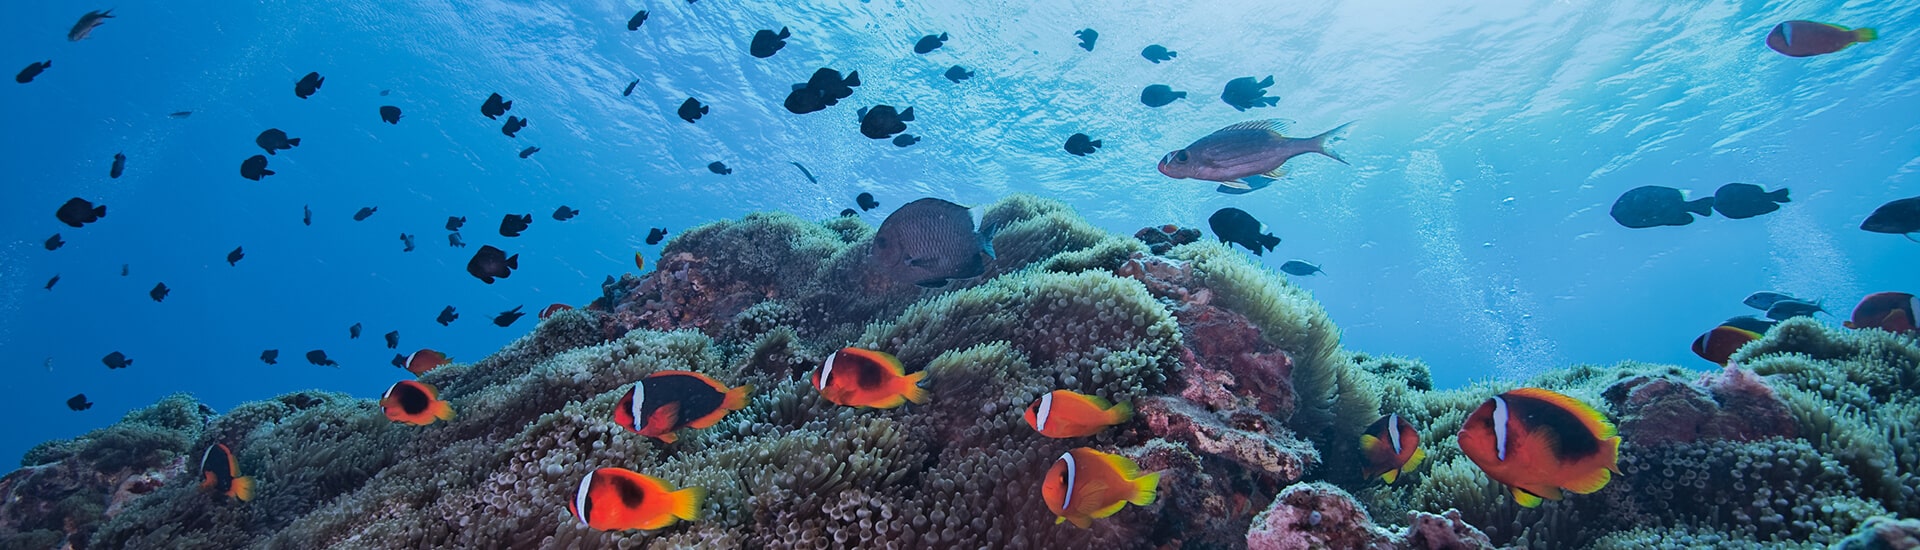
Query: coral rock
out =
(1731, 405)
(1315, 515)
(1442, 532)
(1264, 448)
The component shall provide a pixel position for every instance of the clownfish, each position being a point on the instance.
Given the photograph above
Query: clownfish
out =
(424, 361)
(1538, 442)
(1391, 448)
(857, 377)
(1718, 345)
(219, 471)
(613, 499)
(669, 400)
(1085, 484)
(415, 403)
(552, 309)
(1889, 311)
(1061, 414)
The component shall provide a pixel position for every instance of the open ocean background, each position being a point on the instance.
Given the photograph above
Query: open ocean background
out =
(1471, 230)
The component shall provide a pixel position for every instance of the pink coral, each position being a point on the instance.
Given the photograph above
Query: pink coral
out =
(1732, 405)
(1250, 440)
(1442, 532)
(1315, 515)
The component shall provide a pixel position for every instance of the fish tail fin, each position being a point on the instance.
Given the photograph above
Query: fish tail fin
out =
(1324, 143)
(442, 410)
(1702, 206)
(1120, 413)
(514, 261)
(242, 488)
(737, 398)
(1096, 143)
(1268, 81)
(1178, 94)
(1865, 34)
(1910, 238)
(907, 115)
(1779, 196)
(293, 141)
(506, 105)
(100, 211)
(1145, 489)
(853, 79)
(1268, 241)
(913, 391)
(1390, 476)
(784, 33)
(686, 503)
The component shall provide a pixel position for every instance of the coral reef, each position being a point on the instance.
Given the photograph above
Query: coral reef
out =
(1246, 405)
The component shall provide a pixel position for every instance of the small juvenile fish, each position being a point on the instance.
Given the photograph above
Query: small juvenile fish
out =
(495, 106)
(180, 114)
(529, 151)
(1300, 268)
(930, 43)
(353, 332)
(1159, 95)
(511, 225)
(274, 139)
(904, 140)
(407, 241)
(865, 201)
(454, 222)
(1081, 145)
(718, 167)
(513, 126)
(390, 114)
(255, 167)
(364, 213)
(79, 402)
(271, 357)
(654, 235)
(32, 71)
(692, 110)
(54, 242)
(116, 360)
(766, 42)
(308, 85)
(319, 357)
(1246, 93)
(393, 339)
(306, 214)
(233, 258)
(957, 73)
(1087, 38)
(882, 121)
(564, 213)
(447, 316)
(508, 317)
(630, 86)
(51, 282)
(1157, 53)
(159, 292)
(119, 165)
(453, 240)
(633, 23)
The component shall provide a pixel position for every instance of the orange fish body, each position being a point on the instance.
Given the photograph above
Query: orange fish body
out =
(1390, 448)
(1085, 484)
(669, 400)
(1061, 414)
(424, 361)
(611, 499)
(1539, 443)
(1718, 345)
(1889, 311)
(552, 309)
(219, 471)
(857, 377)
(640, 260)
(415, 403)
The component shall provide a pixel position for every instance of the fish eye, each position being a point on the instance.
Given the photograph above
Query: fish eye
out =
(1180, 156)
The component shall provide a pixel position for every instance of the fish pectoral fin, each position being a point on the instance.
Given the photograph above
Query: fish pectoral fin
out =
(1237, 184)
(1524, 498)
(1909, 237)
(921, 262)
(1277, 172)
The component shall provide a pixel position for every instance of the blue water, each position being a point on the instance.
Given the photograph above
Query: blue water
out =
(1471, 229)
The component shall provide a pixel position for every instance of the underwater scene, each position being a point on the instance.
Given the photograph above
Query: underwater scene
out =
(1371, 274)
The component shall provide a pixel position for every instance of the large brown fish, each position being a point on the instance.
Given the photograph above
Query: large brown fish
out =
(1251, 148)
(930, 241)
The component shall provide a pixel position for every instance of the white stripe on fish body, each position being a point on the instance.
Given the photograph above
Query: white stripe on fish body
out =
(205, 456)
(1393, 431)
(639, 404)
(1913, 308)
(580, 497)
(389, 393)
(1500, 414)
(1786, 34)
(1046, 410)
(827, 370)
(1072, 470)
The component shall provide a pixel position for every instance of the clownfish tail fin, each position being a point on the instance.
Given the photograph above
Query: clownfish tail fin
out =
(242, 488)
(686, 502)
(1120, 413)
(913, 391)
(442, 410)
(737, 397)
(1146, 489)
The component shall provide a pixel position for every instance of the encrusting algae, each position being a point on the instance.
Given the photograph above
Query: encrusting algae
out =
(1245, 426)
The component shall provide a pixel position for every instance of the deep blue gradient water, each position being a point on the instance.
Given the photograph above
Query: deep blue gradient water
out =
(1471, 229)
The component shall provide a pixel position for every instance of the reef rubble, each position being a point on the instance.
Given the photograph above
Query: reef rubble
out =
(1246, 404)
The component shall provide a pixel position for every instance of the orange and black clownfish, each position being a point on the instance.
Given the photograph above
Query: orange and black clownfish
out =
(219, 471)
(612, 499)
(1391, 448)
(669, 400)
(414, 403)
(1889, 311)
(1085, 484)
(857, 377)
(1061, 414)
(1538, 443)
(1718, 345)
(552, 309)
(424, 361)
